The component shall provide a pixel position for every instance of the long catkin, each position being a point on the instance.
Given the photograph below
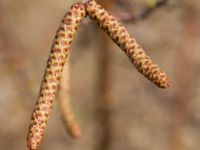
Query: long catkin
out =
(127, 43)
(53, 71)
(71, 125)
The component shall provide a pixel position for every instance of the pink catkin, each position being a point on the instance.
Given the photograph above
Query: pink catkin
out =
(53, 71)
(127, 43)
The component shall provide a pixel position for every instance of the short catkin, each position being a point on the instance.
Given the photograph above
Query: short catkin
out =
(71, 125)
(127, 43)
(53, 71)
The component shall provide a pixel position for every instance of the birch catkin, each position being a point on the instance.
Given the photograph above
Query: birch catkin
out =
(123, 39)
(71, 125)
(59, 52)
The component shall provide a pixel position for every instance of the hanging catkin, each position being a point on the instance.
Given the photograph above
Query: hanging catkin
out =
(53, 71)
(71, 125)
(127, 43)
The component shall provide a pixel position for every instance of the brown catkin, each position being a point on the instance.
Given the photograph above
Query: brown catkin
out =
(53, 71)
(127, 43)
(71, 125)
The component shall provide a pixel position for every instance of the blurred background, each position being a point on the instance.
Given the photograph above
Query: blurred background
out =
(117, 107)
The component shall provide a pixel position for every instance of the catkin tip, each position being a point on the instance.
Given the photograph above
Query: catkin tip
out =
(31, 144)
(74, 130)
(166, 83)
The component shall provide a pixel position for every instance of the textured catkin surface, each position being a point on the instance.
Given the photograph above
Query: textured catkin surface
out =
(71, 125)
(127, 43)
(59, 52)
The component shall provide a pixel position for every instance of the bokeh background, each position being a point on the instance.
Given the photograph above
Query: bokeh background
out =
(117, 108)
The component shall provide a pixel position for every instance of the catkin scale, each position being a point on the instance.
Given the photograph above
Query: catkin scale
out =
(127, 43)
(53, 71)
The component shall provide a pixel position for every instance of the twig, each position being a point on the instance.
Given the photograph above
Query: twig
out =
(103, 110)
(149, 8)
(184, 77)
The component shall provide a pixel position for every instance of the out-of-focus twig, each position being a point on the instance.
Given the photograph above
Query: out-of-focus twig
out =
(149, 8)
(103, 98)
(184, 77)
(126, 5)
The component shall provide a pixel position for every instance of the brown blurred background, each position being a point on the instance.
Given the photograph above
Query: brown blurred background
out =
(116, 107)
